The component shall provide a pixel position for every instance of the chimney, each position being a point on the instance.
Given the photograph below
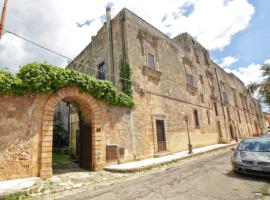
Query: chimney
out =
(109, 64)
(108, 15)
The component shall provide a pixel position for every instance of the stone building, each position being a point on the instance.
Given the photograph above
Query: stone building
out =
(171, 78)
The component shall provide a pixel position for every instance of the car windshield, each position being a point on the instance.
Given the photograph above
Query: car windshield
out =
(255, 145)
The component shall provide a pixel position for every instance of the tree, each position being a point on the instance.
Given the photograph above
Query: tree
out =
(263, 87)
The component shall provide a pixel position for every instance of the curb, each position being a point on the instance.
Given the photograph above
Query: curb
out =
(24, 191)
(139, 169)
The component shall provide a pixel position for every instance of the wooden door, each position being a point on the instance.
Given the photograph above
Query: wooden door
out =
(85, 145)
(161, 138)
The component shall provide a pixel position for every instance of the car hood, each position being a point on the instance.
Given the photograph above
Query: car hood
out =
(258, 156)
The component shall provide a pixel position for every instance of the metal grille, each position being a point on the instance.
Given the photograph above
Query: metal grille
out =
(161, 139)
(160, 131)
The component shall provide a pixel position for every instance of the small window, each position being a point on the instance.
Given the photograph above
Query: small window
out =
(197, 58)
(228, 113)
(206, 61)
(189, 79)
(201, 79)
(239, 118)
(208, 117)
(151, 61)
(101, 71)
(222, 85)
(196, 119)
(215, 108)
(202, 98)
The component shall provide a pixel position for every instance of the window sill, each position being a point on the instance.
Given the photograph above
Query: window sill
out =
(152, 73)
(192, 89)
(213, 97)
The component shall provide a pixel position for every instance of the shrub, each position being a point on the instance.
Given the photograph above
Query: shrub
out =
(45, 78)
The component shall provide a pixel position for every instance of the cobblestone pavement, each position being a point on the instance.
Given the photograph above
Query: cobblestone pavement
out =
(208, 177)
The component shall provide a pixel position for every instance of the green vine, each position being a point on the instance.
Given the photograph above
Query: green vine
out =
(45, 78)
(125, 77)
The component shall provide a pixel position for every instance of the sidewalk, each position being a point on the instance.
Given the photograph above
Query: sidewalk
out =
(154, 162)
(18, 185)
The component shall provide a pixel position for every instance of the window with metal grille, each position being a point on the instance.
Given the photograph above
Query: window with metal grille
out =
(201, 79)
(189, 79)
(239, 118)
(202, 98)
(208, 117)
(215, 108)
(101, 71)
(151, 61)
(196, 119)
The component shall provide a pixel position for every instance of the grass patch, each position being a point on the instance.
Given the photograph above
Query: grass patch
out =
(14, 196)
(58, 158)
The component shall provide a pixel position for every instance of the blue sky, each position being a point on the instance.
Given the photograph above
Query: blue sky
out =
(251, 45)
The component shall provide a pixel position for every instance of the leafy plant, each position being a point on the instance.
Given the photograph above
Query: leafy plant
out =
(40, 78)
(125, 77)
(262, 87)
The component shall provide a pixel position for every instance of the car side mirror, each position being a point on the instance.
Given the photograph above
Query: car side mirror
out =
(233, 149)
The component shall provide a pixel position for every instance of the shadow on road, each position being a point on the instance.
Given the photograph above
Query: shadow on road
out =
(248, 177)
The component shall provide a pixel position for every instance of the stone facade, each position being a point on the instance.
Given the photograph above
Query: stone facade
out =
(170, 78)
(183, 78)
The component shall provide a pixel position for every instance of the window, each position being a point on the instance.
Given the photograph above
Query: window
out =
(202, 98)
(189, 79)
(228, 113)
(215, 108)
(101, 71)
(219, 129)
(197, 58)
(201, 79)
(222, 86)
(234, 97)
(196, 119)
(206, 61)
(239, 118)
(151, 61)
(208, 117)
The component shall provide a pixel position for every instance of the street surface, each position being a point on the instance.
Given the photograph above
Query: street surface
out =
(207, 178)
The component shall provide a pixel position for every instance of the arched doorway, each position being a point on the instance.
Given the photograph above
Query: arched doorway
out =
(92, 113)
(72, 139)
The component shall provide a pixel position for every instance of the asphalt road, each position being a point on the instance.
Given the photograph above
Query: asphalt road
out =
(209, 177)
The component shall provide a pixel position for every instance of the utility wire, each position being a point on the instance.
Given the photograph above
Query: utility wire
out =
(59, 54)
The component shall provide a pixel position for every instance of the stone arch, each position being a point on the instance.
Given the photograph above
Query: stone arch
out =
(92, 110)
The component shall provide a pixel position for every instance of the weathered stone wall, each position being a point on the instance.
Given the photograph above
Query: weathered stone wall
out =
(163, 93)
(26, 124)
(20, 122)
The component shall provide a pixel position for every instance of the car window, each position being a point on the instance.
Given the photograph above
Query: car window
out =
(254, 146)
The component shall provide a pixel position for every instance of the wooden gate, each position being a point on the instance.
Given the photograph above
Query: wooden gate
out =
(85, 145)
(161, 139)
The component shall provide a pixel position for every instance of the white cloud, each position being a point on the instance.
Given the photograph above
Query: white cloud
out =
(53, 24)
(228, 61)
(267, 61)
(249, 74)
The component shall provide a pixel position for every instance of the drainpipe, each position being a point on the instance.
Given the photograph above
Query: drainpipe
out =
(221, 99)
(110, 60)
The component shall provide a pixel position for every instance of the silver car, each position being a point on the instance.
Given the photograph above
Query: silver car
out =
(252, 156)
